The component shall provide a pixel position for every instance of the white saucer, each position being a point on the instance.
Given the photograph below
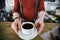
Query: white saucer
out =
(23, 36)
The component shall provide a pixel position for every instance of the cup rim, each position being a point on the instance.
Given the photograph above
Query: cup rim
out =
(27, 22)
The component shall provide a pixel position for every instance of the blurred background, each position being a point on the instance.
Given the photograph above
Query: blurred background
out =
(52, 8)
(51, 29)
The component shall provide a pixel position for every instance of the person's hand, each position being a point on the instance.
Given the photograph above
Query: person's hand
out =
(39, 24)
(16, 25)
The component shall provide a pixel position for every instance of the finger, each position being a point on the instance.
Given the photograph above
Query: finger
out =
(40, 28)
(14, 27)
(38, 31)
(16, 30)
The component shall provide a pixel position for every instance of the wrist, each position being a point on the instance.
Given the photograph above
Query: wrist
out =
(16, 16)
(41, 15)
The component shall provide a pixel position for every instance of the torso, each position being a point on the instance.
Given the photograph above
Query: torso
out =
(28, 9)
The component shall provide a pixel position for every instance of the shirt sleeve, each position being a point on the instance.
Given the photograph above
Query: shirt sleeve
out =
(16, 6)
(41, 6)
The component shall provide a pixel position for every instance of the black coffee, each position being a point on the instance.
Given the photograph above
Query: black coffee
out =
(27, 26)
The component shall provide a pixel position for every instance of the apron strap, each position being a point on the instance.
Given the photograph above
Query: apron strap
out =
(20, 9)
(36, 9)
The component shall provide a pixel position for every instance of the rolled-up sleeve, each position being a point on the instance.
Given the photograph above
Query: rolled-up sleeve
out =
(41, 6)
(16, 6)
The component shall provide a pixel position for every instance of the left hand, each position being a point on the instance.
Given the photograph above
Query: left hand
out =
(39, 24)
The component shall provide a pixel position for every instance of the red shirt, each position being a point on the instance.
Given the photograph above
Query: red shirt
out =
(28, 8)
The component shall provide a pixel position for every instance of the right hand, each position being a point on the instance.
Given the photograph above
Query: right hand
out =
(16, 25)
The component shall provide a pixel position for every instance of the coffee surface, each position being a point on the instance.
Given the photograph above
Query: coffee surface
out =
(27, 26)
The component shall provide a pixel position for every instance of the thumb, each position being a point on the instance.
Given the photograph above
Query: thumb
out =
(36, 22)
(19, 25)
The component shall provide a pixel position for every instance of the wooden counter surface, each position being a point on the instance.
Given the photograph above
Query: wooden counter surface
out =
(6, 33)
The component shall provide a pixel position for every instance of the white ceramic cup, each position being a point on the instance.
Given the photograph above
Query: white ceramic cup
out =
(27, 31)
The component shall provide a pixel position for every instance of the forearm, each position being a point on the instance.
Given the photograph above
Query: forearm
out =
(15, 11)
(41, 15)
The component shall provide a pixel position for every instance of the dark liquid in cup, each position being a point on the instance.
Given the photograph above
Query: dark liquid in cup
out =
(27, 26)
